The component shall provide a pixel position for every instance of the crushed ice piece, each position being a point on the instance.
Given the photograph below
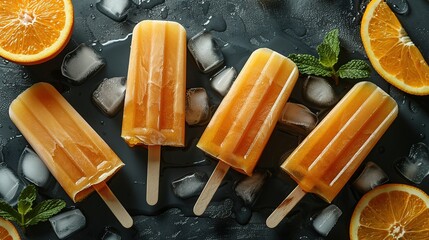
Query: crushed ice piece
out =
(298, 119)
(248, 188)
(319, 92)
(197, 106)
(109, 95)
(67, 223)
(10, 185)
(371, 177)
(222, 81)
(79, 64)
(148, 4)
(189, 185)
(114, 9)
(205, 51)
(110, 234)
(415, 167)
(327, 219)
(32, 168)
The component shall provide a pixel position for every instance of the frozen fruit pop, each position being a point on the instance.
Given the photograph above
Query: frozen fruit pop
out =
(330, 154)
(75, 154)
(246, 117)
(154, 112)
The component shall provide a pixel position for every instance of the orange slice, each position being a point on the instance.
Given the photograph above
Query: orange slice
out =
(8, 231)
(35, 31)
(391, 211)
(391, 52)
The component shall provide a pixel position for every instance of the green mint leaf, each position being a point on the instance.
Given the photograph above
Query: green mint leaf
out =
(44, 210)
(26, 199)
(7, 212)
(355, 69)
(329, 49)
(308, 64)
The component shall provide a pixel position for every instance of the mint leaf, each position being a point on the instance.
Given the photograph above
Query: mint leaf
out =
(308, 64)
(44, 210)
(355, 69)
(329, 49)
(26, 199)
(7, 212)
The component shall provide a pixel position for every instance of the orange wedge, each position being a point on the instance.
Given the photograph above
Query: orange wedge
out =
(391, 52)
(35, 31)
(391, 211)
(8, 231)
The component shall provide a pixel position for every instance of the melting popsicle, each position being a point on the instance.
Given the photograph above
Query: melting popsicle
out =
(154, 112)
(74, 153)
(246, 117)
(330, 154)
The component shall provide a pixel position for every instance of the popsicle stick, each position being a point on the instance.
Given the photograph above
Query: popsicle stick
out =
(153, 166)
(210, 188)
(113, 203)
(284, 208)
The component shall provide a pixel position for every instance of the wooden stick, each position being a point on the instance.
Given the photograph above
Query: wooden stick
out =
(113, 203)
(284, 208)
(210, 188)
(153, 166)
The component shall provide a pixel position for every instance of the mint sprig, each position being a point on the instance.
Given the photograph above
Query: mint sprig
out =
(323, 66)
(25, 215)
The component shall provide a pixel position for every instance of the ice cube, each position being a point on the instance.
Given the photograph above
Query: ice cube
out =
(67, 223)
(319, 92)
(298, 119)
(248, 188)
(222, 81)
(32, 168)
(81, 63)
(197, 106)
(205, 51)
(371, 177)
(109, 95)
(111, 234)
(190, 185)
(415, 167)
(327, 219)
(114, 9)
(10, 185)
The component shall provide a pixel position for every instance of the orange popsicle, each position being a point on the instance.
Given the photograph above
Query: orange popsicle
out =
(331, 153)
(245, 119)
(74, 153)
(154, 112)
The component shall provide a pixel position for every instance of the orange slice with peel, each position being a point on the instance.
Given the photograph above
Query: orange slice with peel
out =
(390, 50)
(8, 231)
(391, 211)
(35, 31)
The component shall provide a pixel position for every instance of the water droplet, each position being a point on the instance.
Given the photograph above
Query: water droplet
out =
(5, 62)
(423, 125)
(422, 135)
(164, 12)
(24, 75)
(1, 125)
(216, 23)
(399, 6)
(91, 5)
(413, 107)
(102, 122)
(206, 6)
(92, 16)
(4, 81)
